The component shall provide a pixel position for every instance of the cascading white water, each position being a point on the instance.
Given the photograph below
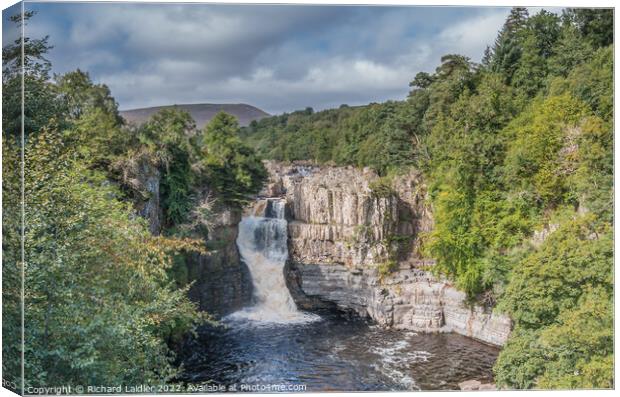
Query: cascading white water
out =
(263, 248)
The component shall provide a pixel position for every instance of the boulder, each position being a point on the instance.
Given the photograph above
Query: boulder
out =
(470, 385)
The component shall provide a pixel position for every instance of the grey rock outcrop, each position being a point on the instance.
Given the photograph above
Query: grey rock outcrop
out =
(354, 245)
(144, 178)
(222, 282)
(408, 298)
(337, 217)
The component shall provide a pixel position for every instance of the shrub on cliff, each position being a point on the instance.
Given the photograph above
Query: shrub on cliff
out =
(167, 137)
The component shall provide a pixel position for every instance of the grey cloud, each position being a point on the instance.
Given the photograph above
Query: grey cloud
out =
(279, 58)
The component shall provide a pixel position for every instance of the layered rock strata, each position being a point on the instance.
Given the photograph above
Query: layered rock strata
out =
(354, 242)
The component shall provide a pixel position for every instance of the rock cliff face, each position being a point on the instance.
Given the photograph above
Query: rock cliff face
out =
(354, 246)
(144, 178)
(408, 298)
(222, 282)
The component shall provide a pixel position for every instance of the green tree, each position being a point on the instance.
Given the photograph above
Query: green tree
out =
(40, 102)
(539, 37)
(11, 262)
(99, 306)
(167, 138)
(92, 118)
(580, 346)
(507, 48)
(452, 77)
(595, 24)
(540, 156)
(40, 105)
(230, 166)
(422, 80)
(592, 82)
(571, 50)
(466, 154)
(81, 95)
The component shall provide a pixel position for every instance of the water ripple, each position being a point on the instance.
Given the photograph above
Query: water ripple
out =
(334, 354)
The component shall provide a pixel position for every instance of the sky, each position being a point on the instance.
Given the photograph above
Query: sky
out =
(279, 58)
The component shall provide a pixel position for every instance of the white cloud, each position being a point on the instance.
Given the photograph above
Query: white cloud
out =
(470, 37)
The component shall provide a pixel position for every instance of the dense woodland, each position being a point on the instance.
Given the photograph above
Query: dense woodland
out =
(517, 152)
(514, 148)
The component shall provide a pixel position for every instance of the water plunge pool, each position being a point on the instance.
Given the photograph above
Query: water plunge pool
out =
(334, 354)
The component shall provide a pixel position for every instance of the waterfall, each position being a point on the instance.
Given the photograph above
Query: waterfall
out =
(262, 243)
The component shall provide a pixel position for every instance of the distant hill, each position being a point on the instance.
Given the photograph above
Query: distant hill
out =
(202, 113)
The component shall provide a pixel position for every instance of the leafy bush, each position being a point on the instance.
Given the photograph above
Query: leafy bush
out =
(387, 267)
(560, 298)
(382, 187)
